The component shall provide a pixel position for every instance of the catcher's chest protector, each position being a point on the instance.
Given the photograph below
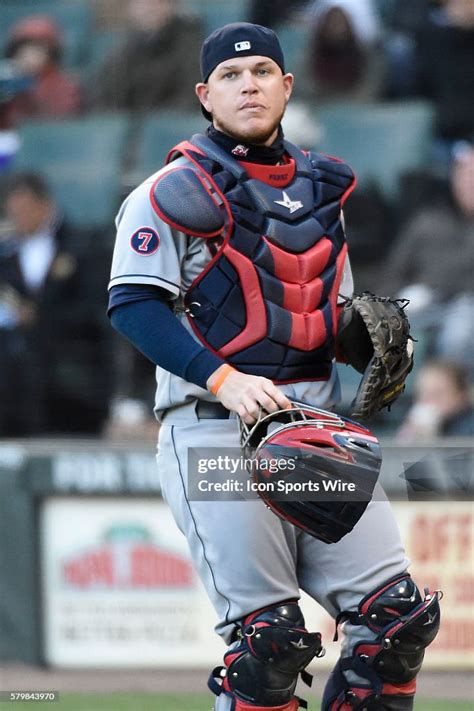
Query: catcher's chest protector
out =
(267, 300)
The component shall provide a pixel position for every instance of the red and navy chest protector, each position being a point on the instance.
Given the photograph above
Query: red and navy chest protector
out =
(266, 302)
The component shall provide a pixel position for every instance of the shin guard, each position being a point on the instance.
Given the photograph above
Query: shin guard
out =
(262, 667)
(405, 624)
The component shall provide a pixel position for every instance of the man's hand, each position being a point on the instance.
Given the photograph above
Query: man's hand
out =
(246, 394)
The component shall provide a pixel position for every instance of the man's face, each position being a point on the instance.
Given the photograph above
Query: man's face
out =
(149, 15)
(247, 97)
(336, 26)
(32, 58)
(436, 388)
(461, 12)
(26, 211)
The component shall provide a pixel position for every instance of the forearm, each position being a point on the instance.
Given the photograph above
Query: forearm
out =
(156, 332)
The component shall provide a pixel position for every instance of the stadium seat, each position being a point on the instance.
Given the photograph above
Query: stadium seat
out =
(82, 161)
(380, 141)
(74, 18)
(159, 133)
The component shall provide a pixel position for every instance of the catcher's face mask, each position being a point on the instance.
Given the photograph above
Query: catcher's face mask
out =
(313, 468)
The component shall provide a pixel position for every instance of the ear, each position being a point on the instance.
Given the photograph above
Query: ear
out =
(288, 80)
(202, 92)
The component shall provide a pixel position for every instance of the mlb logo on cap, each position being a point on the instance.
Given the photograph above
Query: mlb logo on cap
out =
(241, 46)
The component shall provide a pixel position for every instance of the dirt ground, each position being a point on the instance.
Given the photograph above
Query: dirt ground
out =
(15, 677)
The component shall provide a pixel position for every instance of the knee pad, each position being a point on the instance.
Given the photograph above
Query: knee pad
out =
(262, 666)
(405, 624)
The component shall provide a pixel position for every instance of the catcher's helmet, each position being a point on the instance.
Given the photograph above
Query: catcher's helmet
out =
(335, 466)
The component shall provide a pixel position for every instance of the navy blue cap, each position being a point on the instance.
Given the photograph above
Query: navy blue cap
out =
(239, 39)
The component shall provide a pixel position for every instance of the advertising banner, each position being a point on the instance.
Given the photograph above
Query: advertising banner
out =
(119, 588)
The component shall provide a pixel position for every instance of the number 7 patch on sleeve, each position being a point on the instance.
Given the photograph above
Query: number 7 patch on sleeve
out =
(145, 241)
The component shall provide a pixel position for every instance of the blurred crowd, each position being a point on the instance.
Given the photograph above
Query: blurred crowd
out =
(62, 371)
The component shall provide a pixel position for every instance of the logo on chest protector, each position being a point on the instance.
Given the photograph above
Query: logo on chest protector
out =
(292, 205)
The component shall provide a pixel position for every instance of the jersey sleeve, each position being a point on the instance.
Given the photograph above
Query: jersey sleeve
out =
(146, 250)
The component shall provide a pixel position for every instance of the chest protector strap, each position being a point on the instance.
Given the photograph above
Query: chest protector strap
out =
(266, 301)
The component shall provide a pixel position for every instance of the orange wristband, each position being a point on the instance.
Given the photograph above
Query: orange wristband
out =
(227, 370)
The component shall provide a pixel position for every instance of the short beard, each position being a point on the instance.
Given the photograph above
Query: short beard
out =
(256, 138)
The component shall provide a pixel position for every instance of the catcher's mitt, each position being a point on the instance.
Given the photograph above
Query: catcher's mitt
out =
(374, 337)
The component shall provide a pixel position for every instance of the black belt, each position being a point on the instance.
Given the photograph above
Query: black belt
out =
(211, 411)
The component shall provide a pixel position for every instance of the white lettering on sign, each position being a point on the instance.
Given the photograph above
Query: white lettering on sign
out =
(87, 472)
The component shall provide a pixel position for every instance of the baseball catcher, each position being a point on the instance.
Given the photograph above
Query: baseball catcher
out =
(228, 273)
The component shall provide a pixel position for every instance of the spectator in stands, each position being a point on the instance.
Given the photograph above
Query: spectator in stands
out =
(344, 56)
(53, 336)
(445, 50)
(272, 13)
(409, 16)
(156, 66)
(442, 406)
(432, 264)
(404, 22)
(35, 48)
